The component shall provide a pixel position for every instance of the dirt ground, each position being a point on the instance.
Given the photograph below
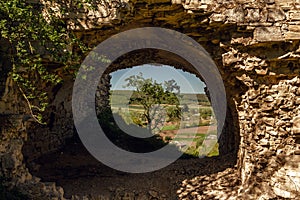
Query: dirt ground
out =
(74, 169)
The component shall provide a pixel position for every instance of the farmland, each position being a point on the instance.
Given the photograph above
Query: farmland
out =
(195, 129)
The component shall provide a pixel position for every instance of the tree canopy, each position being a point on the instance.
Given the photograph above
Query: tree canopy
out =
(155, 98)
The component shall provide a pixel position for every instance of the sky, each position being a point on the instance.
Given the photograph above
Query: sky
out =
(188, 82)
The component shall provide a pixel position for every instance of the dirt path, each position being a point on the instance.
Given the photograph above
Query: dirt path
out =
(199, 129)
(80, 174)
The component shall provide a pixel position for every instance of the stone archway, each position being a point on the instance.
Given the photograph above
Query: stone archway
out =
(228, 144)
(256, 47)
(229, 141)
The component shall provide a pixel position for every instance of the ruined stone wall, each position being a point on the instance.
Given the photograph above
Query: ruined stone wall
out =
(14, 124)
(269, 116)
(59, 124)
(255, 45)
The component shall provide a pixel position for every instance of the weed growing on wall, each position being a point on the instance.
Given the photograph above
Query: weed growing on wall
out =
(40, 50)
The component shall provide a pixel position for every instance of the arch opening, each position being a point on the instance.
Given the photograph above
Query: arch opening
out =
(229, 140)
(178, 99)
(62, 167)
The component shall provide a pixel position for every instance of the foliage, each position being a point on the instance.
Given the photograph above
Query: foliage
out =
(154, 97)
(137, 117)
(205, 113)
(168, 138)
(173, 113)
(33, 42)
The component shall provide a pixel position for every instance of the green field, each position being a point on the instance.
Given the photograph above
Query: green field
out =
(119, 98)
(199, 113)
(198, 105)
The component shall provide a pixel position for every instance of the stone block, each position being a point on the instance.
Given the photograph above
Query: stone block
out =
(235, 15)
(294, 15)
(217, 17)
(275, 15)
(253, 15)
(297, 101)
(290, 35)
(176, 2)
(296, 125)
(283, 193)
(294, 27)
(268, 34)
(285, 4)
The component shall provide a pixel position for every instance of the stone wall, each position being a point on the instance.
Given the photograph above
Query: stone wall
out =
(255, 45)
(59, 128)
(269, 147)
(14, 126)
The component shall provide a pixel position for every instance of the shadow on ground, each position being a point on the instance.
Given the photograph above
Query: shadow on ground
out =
(80, 174)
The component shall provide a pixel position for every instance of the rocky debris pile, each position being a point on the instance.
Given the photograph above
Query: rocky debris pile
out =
(222, 185)
(121, 193)
(82, 177)
(37, 190)
(13, 167)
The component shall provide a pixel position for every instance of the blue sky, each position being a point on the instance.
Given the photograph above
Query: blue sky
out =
(188, 83)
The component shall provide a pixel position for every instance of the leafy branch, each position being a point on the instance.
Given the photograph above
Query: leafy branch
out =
(36, 44)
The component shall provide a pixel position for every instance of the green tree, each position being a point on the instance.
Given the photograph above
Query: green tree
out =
(154, 98)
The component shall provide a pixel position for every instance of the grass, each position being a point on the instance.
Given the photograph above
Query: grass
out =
(170, 127)
(198, 144)
(185, 139)
(192, 134)
(214, 151)
(201, 134)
